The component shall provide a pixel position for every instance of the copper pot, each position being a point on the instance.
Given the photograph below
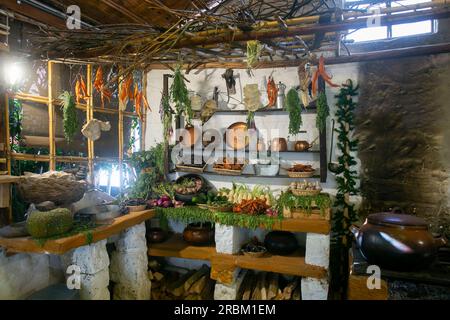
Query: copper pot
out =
(279, 145)
(199, 233)
(302, 145)
(397, 241)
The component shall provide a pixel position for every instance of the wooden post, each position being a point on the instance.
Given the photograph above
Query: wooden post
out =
(323, 141)
(7, 135)
(166, 142)
(90, 116)
(51, 118)
(120, 129)
(144, 121)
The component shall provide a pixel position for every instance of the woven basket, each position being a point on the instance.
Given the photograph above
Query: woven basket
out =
(227, 172)
(190, 169)
(302, 193)
(292, 174)
(59, 187)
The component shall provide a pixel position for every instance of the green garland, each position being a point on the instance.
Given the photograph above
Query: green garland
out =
(79, 227)
(179, 95)
(323, 111)
(305, 203)
(195, 214)
(294, 108)
(71, 123)
(345, 213)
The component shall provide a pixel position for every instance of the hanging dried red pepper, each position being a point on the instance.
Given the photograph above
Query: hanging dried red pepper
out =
(321, 72)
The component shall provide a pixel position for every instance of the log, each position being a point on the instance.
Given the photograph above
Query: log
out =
(257, 292)
(199, 285)
(273, 286)
(158, 276)
(196, 276)
(150, 275)
(297, 294)
(407, 17)
(248, 290)
(264, 286)
(176, 288)
(208, 290)
(287, 292)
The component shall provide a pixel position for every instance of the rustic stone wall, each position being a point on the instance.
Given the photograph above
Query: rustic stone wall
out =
(403, 128)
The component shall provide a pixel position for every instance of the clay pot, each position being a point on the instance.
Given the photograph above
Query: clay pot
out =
(279, 145)
(302, 145)
(281, 243)
(397, 241)
(156, 235)
(199, 233)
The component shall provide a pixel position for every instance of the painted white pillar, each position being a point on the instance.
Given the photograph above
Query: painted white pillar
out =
(230, 291)
(229, 239)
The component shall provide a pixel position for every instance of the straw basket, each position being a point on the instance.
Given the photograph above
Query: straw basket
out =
(58, 187)
(293, 174)
(227, 172)
(303, 193)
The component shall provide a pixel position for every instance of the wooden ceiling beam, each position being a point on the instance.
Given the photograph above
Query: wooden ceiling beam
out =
(124, 11)
(359, 57)
(33, 13)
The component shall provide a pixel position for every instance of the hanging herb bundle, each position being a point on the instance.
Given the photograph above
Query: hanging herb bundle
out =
(323, 111)
(254, 49)
(166, 116)
(71, 124)
(179, 95)
(294, 108)
(345, 213)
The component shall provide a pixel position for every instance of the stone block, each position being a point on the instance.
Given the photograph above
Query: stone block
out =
(132, 238)
(90, 258)
(229, 239)
(314, 289)
(22, 275)
(317, 250)
(95, 286)
(229, 291)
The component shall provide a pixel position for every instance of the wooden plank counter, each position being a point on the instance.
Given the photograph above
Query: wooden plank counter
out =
(61, 246)
(223, 265)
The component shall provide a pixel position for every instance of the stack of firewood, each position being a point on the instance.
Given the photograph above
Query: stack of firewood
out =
(169, 284)
(269, 286)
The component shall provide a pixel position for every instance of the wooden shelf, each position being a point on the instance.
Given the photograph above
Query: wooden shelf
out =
(310, 110)
(61, 246)
(8, 179)
(248, 175)
(224, 265)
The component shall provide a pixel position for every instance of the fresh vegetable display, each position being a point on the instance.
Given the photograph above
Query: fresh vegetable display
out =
(251, 207)
(165, 202)
(189, 185)
(305, 185)
(240, 192)
(301, 168)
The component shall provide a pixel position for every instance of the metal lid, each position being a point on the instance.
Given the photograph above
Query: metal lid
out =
(396, 220)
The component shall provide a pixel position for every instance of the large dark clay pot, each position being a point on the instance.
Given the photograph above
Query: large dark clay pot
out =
(199, 234)
(156, 235)
(281, 243)
(397, 241)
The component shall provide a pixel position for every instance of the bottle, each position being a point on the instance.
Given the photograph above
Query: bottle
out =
(281, 95)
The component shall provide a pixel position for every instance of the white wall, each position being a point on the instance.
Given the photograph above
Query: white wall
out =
(204, 81)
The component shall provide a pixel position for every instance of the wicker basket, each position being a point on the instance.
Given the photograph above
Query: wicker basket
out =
(302, 193)
(58, 187)
(227, 172)
(190, 169)
(293, 174)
